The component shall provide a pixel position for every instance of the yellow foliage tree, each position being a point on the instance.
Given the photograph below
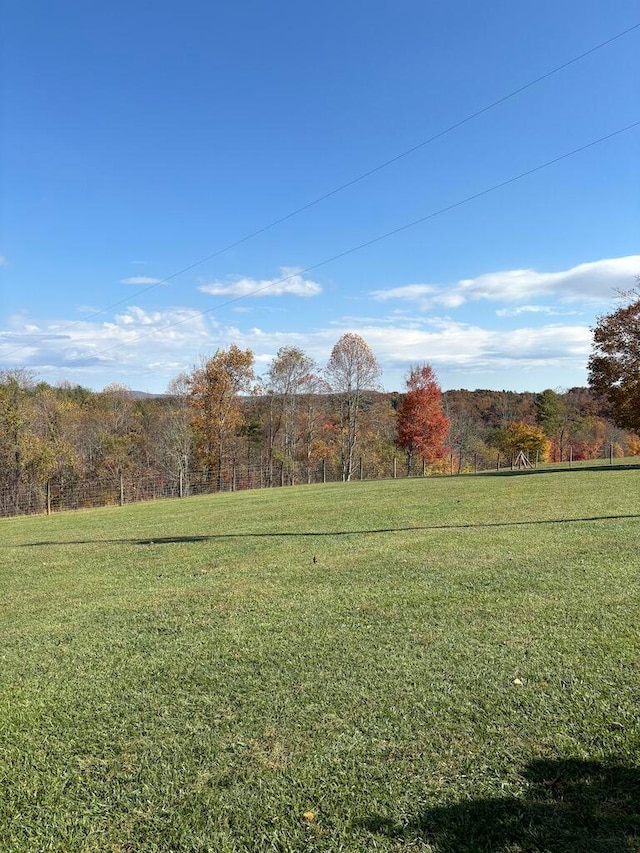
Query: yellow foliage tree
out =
(214, 394)
(519, 437)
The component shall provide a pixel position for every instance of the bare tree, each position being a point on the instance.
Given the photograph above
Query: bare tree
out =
(352, 370)
(288, 378)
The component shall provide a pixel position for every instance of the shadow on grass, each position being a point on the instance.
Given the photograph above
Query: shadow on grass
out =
(212, 537)
(570, 807)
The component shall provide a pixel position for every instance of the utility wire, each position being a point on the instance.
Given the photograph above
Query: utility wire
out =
(373, 240)
(345, 185)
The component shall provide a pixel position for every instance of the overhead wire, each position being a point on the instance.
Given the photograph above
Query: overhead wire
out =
(370, 242)
(340, 188)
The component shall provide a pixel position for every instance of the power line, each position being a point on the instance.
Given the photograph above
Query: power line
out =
(377, 239)
(344, 186)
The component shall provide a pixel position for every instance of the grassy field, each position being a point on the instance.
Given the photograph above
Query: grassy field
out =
(438, 665)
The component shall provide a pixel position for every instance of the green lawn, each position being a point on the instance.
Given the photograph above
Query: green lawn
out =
(459, 670)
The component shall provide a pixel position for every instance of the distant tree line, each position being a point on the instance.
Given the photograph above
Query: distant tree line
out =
(286, 423)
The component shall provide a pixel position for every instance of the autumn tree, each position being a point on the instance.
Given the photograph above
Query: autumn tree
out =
(214, 393)
(292, 374)
(311, 418)
(422, 424)
(14, 431)
(351, 371)
(175, 436)
(518, 437)
(54, 433)
(467, 430)
(165, 448)
(614, 365)
(119, 431)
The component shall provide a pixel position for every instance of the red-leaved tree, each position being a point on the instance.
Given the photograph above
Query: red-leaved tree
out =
(422, 425)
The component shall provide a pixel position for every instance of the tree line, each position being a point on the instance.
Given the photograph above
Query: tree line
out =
(297, 416)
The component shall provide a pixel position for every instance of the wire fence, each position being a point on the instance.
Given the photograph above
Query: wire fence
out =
(71, 493)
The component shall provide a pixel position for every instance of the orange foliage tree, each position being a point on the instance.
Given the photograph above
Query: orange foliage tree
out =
(214, 394)
(422, 424)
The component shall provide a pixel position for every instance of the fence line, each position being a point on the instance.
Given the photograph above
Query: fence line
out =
(68, 493)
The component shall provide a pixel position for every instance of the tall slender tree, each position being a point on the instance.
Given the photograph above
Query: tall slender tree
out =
(552, 418)
(351, 371)
(289, 377)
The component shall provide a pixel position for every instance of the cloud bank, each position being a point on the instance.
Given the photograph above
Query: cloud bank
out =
(146, 349)
(589, 282)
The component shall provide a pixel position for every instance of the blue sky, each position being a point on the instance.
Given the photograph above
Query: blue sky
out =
(139, 138)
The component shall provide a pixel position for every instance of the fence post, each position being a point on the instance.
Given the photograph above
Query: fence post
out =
(233, 476)
(424, 467)
(451, 464)
(475, 463)
(570, 455)
(361, 469)
(610, 453)
(324, 470)
(181, 492)
(121, 489)
(48, 497)
(498, 463)
(282, 474)
(395, 467)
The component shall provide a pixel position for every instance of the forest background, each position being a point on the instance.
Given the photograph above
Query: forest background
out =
(220, 427)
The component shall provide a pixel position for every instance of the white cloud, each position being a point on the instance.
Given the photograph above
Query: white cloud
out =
(133, 340)
(585, 282)
(444, 343)
(140, 279)
(412, 292)
(589, 282)
(533, 309)
(289, 283)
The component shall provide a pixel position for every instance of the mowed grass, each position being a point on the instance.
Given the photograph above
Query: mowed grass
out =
(458, 670)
